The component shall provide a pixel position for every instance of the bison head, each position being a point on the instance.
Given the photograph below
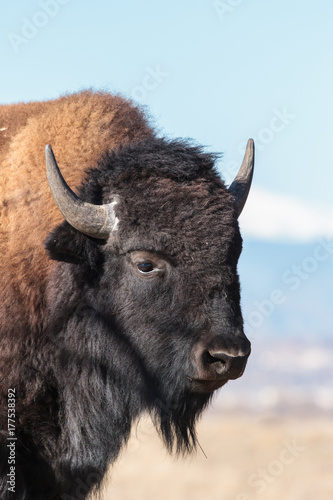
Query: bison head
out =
(153, 243)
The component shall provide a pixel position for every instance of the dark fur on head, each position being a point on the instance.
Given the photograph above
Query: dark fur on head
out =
(110, 344)
(129, 363)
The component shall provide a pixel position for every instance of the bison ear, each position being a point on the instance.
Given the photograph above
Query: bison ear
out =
(66, 244)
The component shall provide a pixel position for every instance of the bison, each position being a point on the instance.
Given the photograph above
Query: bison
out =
(117, 299)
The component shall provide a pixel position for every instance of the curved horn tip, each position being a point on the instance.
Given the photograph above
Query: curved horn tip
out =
(250, 145)
(240, 186)
(249, 152)
(48, 149)
(49, 156)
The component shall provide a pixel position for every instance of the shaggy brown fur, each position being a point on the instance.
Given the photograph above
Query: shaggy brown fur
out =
(96, 122)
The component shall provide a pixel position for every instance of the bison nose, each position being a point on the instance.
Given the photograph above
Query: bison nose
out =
(215, 363)
(223, 364)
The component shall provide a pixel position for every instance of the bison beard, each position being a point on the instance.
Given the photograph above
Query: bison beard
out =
(89, 341)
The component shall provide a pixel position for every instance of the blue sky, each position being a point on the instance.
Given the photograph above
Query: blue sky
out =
(216, 71)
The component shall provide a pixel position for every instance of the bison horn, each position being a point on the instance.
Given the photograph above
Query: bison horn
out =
(240, 186)
(96, 221)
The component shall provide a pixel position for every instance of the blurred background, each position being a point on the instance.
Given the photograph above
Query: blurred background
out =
(220, 72)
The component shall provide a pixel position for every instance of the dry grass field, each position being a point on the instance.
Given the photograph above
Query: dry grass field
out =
(249, 458)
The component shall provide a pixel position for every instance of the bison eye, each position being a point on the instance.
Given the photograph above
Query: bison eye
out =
(145, 267)
(146, 264)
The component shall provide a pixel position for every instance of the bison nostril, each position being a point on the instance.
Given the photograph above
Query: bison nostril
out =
(220, 361)
(225, 365)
